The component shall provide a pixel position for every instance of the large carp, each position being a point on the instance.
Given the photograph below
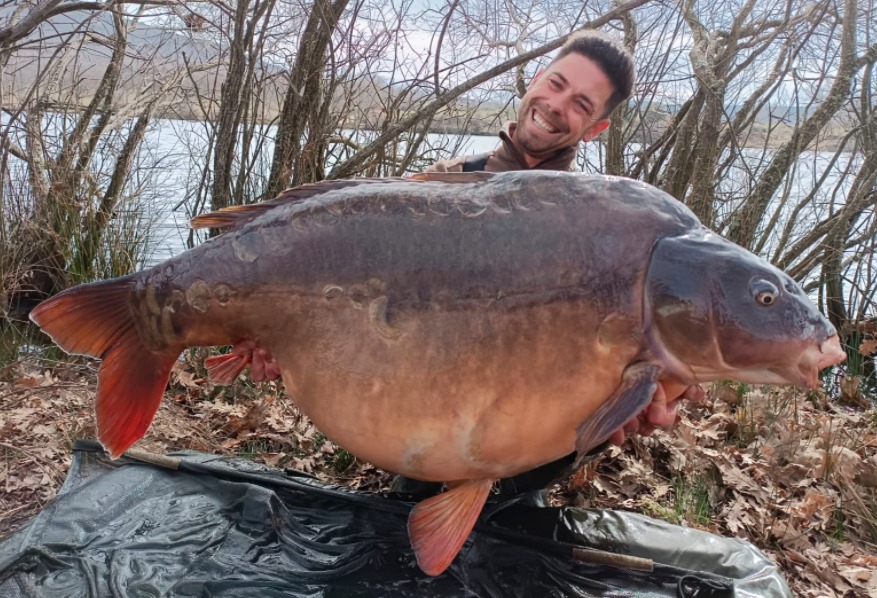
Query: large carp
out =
(455, 327)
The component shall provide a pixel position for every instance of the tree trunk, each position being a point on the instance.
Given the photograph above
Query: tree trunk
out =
(301, 106)
(615, 134)
(744, 225)
(235, 96)
(230, 100)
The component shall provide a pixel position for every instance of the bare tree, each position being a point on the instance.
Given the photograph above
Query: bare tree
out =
(304, 104)
(745, 225)
(238, 93)
(76, 140)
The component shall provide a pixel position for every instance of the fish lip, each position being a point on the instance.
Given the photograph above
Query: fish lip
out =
(818, 357)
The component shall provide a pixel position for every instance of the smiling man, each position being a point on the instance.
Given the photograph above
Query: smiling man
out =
(569, 102)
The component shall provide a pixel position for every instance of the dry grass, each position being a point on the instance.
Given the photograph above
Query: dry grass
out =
(795, 475)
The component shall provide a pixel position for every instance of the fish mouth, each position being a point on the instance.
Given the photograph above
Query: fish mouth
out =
(816, 357)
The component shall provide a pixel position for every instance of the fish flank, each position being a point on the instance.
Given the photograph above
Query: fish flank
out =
(378, 315)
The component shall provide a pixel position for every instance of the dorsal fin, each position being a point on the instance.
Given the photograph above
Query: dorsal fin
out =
(452, 177)
(234, 216)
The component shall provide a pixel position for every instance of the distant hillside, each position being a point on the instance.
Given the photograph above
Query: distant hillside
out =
(81, 42)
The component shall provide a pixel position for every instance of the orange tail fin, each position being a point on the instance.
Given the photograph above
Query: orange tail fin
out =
(438, 527)
(95, 320)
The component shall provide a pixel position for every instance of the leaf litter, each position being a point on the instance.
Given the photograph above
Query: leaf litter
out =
(793, 473)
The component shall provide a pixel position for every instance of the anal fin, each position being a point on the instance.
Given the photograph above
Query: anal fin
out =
(438, 526)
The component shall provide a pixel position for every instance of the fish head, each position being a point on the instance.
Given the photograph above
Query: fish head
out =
(713, 311)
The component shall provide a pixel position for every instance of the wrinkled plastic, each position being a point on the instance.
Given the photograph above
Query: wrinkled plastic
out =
(209, 526)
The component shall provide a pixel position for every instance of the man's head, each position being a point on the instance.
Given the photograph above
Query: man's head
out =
(571, 99)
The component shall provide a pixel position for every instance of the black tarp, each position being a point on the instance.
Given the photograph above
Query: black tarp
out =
(203, 525)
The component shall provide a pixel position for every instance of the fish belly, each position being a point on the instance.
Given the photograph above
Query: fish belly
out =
(452, 394)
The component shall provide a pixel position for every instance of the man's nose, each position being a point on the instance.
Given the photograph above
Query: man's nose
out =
(558, 103)
(555, 104)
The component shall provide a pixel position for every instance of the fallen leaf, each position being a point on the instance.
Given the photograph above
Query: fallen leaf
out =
(868, 346)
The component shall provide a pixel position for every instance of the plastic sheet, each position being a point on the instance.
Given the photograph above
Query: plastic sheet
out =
(201, 525)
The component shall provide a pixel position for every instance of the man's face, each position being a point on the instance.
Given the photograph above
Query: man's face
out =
(562, 106)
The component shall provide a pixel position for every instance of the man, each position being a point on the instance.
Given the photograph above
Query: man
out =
(567, 103)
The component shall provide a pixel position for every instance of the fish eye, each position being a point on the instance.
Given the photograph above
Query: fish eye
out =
(766, 297)
(765, 292)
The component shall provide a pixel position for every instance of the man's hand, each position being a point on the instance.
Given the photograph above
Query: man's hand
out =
(264, 366)
(661, 412)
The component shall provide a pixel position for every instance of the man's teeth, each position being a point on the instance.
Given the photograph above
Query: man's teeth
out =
(543, 124)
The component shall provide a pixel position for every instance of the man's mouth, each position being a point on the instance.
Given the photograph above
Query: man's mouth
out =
(543, 124)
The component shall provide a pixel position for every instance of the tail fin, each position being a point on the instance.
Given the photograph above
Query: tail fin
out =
(96, 320)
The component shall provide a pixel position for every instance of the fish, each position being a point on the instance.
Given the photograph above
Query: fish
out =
(449, 327)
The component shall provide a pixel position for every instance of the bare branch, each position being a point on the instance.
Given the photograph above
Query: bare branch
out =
(350, 166)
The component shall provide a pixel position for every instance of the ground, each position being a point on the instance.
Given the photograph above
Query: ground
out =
(793, 473)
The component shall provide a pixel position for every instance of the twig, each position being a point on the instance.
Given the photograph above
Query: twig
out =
(611, 559)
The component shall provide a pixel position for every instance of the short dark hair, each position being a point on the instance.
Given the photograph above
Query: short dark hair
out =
(612, 58)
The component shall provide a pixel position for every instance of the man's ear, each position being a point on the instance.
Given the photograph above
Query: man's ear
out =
(595, 129)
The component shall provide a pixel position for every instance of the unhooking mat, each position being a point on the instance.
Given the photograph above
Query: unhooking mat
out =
(208, 526)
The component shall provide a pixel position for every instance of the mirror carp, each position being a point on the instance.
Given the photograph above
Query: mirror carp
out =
(459, 328)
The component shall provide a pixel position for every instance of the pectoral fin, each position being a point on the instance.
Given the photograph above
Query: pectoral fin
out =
(439, 526)
(638, 384)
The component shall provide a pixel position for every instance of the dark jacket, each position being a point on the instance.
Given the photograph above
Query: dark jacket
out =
(507, 157)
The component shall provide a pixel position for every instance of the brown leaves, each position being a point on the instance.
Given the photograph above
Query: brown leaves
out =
(34, 443)
(795, 478)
